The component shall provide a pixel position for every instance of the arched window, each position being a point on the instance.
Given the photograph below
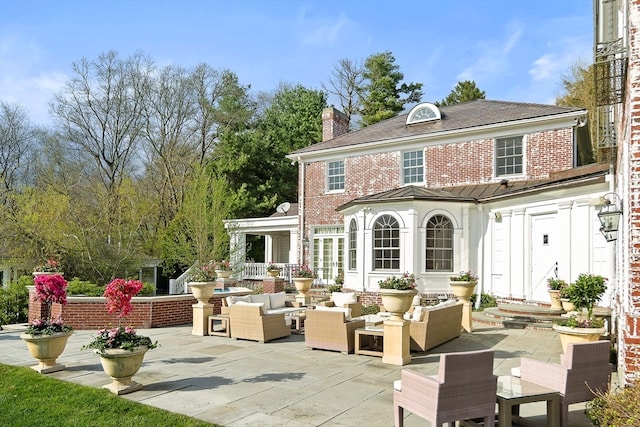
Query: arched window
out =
(386, 243)
(353, 244)
(439, 255)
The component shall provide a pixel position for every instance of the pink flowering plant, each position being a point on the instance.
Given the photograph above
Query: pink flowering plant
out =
(118, 294)
(403, 283)
(303, 272)
(223, 265)
(203, 272)
(50, 289)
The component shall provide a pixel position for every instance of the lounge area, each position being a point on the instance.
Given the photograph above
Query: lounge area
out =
(244, 382)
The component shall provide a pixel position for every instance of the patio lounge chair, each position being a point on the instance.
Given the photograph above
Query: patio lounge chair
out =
(465, 388)
(583, 370)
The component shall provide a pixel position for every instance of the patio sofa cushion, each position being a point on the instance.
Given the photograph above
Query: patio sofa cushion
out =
(345, 310)
(438, 325)
(258, 304)
(342, 298)
(234, 299)
(277, 300)
(263, 298)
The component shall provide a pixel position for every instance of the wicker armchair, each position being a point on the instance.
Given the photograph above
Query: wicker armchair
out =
(328, 330)
(247, 321)
(583, 370)
(464, 388)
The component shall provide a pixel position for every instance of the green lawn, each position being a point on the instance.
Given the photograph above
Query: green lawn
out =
(28, 398)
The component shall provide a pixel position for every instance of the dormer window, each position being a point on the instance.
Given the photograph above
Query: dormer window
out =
(423, 112)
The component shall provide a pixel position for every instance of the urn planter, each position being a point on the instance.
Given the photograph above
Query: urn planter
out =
(224, 274)
(46, 349)
(554, 296)
(302, 284)
(397, 302)
(570, 335)
(202, 291)
(121, 365)
(462, 289)
(273, 273)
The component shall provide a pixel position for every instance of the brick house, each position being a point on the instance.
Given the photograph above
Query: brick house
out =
(488, 186)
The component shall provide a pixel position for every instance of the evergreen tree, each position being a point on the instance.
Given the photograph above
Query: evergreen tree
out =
(463, 92)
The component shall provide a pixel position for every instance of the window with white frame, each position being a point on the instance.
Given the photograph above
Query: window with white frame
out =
(439, 247)
(386, 243)
(335, 175)
(353, 244)
(509, 156)
(412, 167)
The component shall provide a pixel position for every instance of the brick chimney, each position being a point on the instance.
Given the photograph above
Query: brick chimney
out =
(334, 123)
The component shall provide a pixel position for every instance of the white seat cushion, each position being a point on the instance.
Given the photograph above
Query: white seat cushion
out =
(345, 310)
(418, 314)
(397, 385)
(278, 300)
(262, 298)
(416, 300)
(342, 298)
(234, 299)
(258, 304)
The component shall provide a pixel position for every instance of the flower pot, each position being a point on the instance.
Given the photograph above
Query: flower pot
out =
(202, 291)
(121, 365)
(302, 284)
(397, 302)
(567, 305)
(462, 289)
(570, 335)
(556, 304)
(46, 349)
(273, 273)
(224, 274)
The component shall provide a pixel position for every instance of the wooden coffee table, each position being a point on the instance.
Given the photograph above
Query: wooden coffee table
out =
(369, 341)
(219, 325)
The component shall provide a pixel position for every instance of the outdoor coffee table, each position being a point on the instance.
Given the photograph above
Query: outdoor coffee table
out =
(297, 321)
(219, 325)
(369, 340)
(512, 392)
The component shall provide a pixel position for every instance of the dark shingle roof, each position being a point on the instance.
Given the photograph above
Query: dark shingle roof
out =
(486, 192)
(472, 114)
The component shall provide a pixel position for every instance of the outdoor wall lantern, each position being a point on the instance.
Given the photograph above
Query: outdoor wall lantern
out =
(609, 216)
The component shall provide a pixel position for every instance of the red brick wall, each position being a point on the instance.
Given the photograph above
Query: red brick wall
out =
(628, 268)
(148, 312)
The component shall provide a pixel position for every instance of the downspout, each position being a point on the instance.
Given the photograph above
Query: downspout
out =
(301, 213)
(481, 253)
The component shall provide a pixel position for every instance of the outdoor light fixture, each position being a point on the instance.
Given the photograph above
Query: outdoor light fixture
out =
(609, 216)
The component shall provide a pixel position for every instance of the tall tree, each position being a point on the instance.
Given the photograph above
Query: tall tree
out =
(253, 161)
(18, 139)
(464, 91)
(579, 91)
(381, 94)
(100, 112)
(346, 78)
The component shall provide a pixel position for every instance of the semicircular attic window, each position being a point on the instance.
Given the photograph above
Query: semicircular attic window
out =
(423, 112)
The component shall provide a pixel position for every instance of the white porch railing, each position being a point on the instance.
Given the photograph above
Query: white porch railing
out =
(258, 270)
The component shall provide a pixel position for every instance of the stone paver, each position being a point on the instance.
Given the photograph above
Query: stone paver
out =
(244, 383)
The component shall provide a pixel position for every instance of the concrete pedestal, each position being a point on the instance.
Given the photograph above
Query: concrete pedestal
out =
(467, 319)
(396, 342)
(225, 283)
(303, 300)
(201, 313)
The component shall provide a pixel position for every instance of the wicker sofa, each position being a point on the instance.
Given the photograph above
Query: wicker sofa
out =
(330, 330)
(437, 325)
(346, 300)
(248, 321)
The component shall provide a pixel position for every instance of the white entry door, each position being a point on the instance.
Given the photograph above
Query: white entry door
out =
(544, 258)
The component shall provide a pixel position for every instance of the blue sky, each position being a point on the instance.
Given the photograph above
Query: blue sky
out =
(514, 50)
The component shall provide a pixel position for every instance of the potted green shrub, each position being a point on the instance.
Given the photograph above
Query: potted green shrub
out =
(555, 287)
(584, 293)
(397, 294)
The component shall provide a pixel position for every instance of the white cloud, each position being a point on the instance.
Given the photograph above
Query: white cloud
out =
(322, 31)
(492, 57)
